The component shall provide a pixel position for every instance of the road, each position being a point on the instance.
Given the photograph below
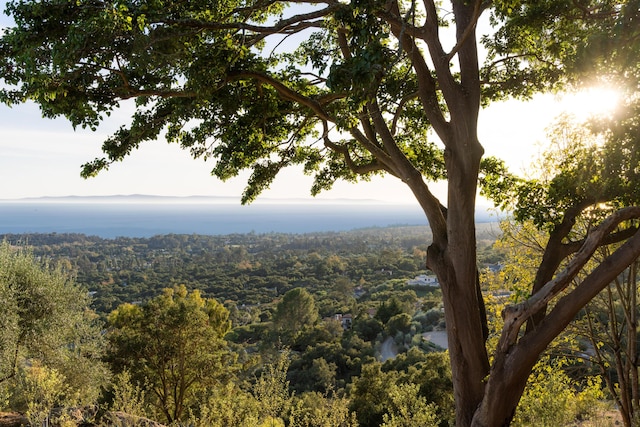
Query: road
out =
(439, 338)
(388, 349)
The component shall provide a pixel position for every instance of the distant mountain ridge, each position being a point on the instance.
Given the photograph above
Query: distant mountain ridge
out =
(146, 198)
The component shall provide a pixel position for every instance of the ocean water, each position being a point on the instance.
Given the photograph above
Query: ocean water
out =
(132, 219)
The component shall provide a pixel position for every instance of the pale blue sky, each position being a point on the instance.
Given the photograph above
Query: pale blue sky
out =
(41, 157)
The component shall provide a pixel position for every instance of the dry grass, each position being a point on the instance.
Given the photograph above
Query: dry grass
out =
(605, 419)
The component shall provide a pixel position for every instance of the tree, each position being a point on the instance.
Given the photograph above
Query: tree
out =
(295, 312)
(46, 320)
(357, 97)
(408, 408)
(172, 346)
(271, 390)
(610, 326)
(321, 410)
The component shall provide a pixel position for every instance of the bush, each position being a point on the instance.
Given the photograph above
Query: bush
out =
(552, 399)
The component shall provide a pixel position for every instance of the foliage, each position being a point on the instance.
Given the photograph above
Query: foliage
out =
(294, 313)
(127, 397)
(42, 389)
(321, 410)
(49, 338)
(431, 372)
(582, 171)
(272, 389)
(389, 309)
(226, 406)
(173, 347)
(551, 398)
(369, 395)
(373, 89)
(406, 391)
(137, 269)
(408, 408)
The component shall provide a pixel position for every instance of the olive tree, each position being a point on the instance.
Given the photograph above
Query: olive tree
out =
(346, 90)
(46, 326)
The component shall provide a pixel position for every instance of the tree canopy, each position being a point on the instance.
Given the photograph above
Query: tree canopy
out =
(47, 326)
(173, 345)
(348, 90)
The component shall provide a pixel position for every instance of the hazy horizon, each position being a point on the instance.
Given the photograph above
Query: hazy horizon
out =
(197, 197)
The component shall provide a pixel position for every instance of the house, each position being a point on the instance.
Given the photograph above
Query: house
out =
(345, 320)
(424, 280)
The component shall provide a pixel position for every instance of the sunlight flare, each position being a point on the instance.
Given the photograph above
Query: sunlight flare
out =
(594, 101)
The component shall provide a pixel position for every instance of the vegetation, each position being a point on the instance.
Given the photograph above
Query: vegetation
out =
(364, 93)
(169, 361)
(165, 347)
(246, 269)
(50, 344)
(174, 346)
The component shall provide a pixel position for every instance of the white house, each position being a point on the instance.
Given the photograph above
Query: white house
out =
(424, 280)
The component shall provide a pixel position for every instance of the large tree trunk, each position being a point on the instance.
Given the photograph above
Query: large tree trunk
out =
(456, 268)
(484, 396)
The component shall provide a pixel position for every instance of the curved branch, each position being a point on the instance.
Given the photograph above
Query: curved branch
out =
(381, 155)
(568, 306)
(388, 141)
(396, 116)
(411, 176)
(612, 238)
(477, 11)
(364, 169)
(516, 315)
(554, 254)
(284, 91)
(292, 24)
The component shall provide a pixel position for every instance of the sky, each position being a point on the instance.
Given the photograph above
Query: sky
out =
(42, 157)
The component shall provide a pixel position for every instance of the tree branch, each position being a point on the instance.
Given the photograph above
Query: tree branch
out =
(362, 169)
(477, 11)
(284, 91)
(396, 116)
(427, 90)
(290, 25)
(515, 315)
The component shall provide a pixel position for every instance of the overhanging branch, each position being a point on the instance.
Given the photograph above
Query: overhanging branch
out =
(284, 91)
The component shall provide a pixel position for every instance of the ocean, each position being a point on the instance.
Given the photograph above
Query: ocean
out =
(110, 218)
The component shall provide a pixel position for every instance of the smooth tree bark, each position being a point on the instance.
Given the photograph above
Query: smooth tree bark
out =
(358, 97)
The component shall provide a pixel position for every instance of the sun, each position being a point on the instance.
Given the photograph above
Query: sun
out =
(594, 101)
